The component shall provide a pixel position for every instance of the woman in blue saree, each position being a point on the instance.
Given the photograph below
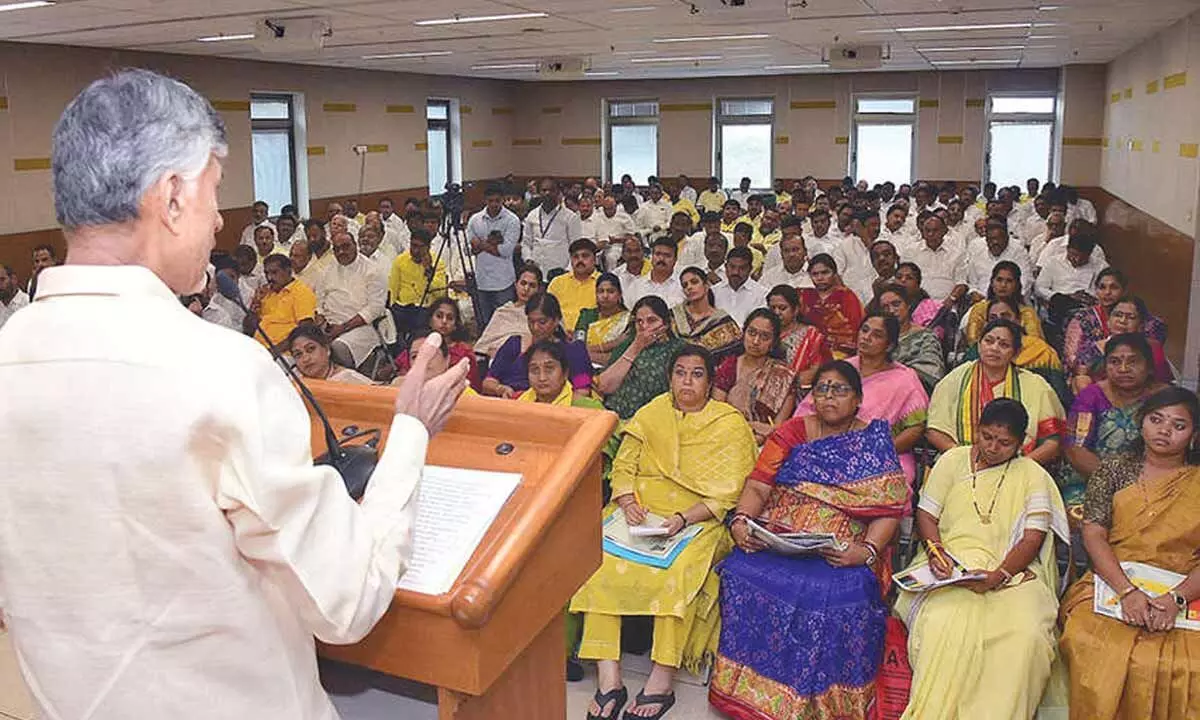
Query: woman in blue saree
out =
(802, 636)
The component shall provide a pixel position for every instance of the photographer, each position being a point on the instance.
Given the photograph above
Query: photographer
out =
(493, 233)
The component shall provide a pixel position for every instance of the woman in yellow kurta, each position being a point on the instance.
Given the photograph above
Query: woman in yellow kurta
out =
(685, 458)
(983, 650)
(1140, 507)
(959, 398)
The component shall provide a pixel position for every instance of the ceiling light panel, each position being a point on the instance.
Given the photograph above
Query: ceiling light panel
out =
(463, 19)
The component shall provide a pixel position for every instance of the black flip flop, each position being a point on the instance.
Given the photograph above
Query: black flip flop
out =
(664, 702)
(618, 698)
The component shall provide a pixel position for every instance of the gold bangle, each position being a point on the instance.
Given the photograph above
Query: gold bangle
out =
(1127, 592)
(1007, 575)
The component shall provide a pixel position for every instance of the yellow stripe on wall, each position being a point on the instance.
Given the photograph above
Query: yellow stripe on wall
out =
(841, 140)
(1115, 97)
(481, 143)
(552, 111)
(1083, 141)
(931, 103)
(813, 104)
(581, 141)
(782, 140)
(526, 142)
(230, 105)
(1177, 80)
(1156, 146)
(1105, 142)
(377, 148)
(421, 146)
(684, 107)
(1136, 145)
(502, 111)
(314, 150)
(975, 102)
(339, 107)
(466, 109)
(22, 164)
(1152, 87)
(950, 139)
(1128, 93)
(1189, 150)
(3, 103)
(401, 109)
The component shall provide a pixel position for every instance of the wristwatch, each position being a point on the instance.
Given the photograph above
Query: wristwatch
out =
(1180, 602)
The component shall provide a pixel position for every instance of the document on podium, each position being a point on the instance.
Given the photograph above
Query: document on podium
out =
(455, 508)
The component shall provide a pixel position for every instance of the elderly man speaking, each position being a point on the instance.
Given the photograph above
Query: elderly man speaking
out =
(167, 548)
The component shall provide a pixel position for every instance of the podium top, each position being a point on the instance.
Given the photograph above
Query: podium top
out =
(551, 447)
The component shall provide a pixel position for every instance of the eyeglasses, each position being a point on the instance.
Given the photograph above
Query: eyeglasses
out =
(1133, 317)
(837, 390)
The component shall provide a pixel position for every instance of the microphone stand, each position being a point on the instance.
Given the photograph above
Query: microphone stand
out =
(355, 463)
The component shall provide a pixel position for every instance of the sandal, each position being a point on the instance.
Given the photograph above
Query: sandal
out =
(665, 702)
(618, 698)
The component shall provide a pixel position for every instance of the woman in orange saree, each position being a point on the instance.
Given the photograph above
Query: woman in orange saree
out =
(1140, 507)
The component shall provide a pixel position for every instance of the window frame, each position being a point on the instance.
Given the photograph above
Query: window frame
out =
(610, 122)
(445, 124)
(720, 120)
(1047, 118)
(287, 124)
(910, 119)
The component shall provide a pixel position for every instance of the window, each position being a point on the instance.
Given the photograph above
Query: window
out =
(1020, 143)
(438, 145)
(883, 138)
(273, 142)
(631, 139)
(745, 141)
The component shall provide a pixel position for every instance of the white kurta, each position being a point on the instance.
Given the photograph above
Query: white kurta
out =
(941, 269)
(19, 300)
(168, 549)
(981, 262)
(741, 302)
(349, 290)
(548, 235)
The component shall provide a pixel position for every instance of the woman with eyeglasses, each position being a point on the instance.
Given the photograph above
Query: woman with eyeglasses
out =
(1130, 315)
(508, 375)
(959, 399)
(802, 635)
(1141, 506)
(756, 381)
(891, 392)
(983, 648)
(683, 459)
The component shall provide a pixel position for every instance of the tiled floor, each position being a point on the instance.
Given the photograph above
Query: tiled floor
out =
(378, 698)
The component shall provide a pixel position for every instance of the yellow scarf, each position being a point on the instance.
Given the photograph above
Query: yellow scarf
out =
(564, 399)
(976, 393)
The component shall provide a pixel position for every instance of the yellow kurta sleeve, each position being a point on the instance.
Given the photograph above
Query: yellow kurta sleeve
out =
(943, 404)
(940, 479)
(625, 465)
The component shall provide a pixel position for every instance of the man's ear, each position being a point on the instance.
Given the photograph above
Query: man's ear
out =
(167, 200)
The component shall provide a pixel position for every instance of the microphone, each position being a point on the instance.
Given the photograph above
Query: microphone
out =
(355, 463)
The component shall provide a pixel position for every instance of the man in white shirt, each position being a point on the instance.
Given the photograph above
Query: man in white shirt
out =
(1056, 226)
(819, 241)
(287, 232)
(662, 280)
(550, 228)
(493, 233)
(884, 259)
(1065, 281)
(1077, 207)
(1034, 223)
(853, 257)
(588, 227)
(396, 232)
(739, 295)
(259, 217)
(894, 229)
(633, 266)
(654, 215)
(612, 225)
(686, 191)
(982, 257)
(352, 295)
(191, 577)
(943, 269)
(716, 247)
(742, 194)
(372, 247)
(12, 297)
(1057, 247)
(792, 270)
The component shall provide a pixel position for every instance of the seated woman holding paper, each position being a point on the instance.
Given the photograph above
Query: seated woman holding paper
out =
(1140, 507)
(983, 648)
(802, 635)
(681, 467)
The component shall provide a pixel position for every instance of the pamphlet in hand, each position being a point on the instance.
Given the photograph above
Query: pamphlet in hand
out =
(922, 579)
(795, 543)
(1153, 581)
(647, 543)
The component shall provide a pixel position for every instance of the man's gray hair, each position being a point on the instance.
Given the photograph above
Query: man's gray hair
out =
(120, 136)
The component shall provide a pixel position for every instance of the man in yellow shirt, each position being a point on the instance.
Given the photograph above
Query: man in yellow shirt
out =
(742, 234)
(781, 195)
(280, 305)
(713, 198)
(682, 204)
(731, 213)
(576, 290)
(414, 281)
(767, 233)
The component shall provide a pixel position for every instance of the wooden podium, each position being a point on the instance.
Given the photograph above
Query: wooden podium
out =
(495, 645)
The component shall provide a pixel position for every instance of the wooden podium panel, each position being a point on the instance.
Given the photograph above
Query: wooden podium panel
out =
(495, 644)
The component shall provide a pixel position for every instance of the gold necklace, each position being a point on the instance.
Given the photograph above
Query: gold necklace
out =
(986, 518)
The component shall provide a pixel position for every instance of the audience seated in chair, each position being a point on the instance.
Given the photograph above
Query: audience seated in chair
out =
(310, 349)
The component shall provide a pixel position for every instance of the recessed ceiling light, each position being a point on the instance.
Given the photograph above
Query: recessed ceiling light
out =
(459, 19)
(636, 8)
(953, 28)
(795, 67)
(400, 56)
(681, 58)
(1048, 8)
(226, 38)
(25, 5)
(1014, 61)
(713, 38)
(601, 73)
(506, 66)
(975, 48)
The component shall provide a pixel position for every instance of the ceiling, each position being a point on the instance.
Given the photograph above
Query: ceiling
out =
(621, 39)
